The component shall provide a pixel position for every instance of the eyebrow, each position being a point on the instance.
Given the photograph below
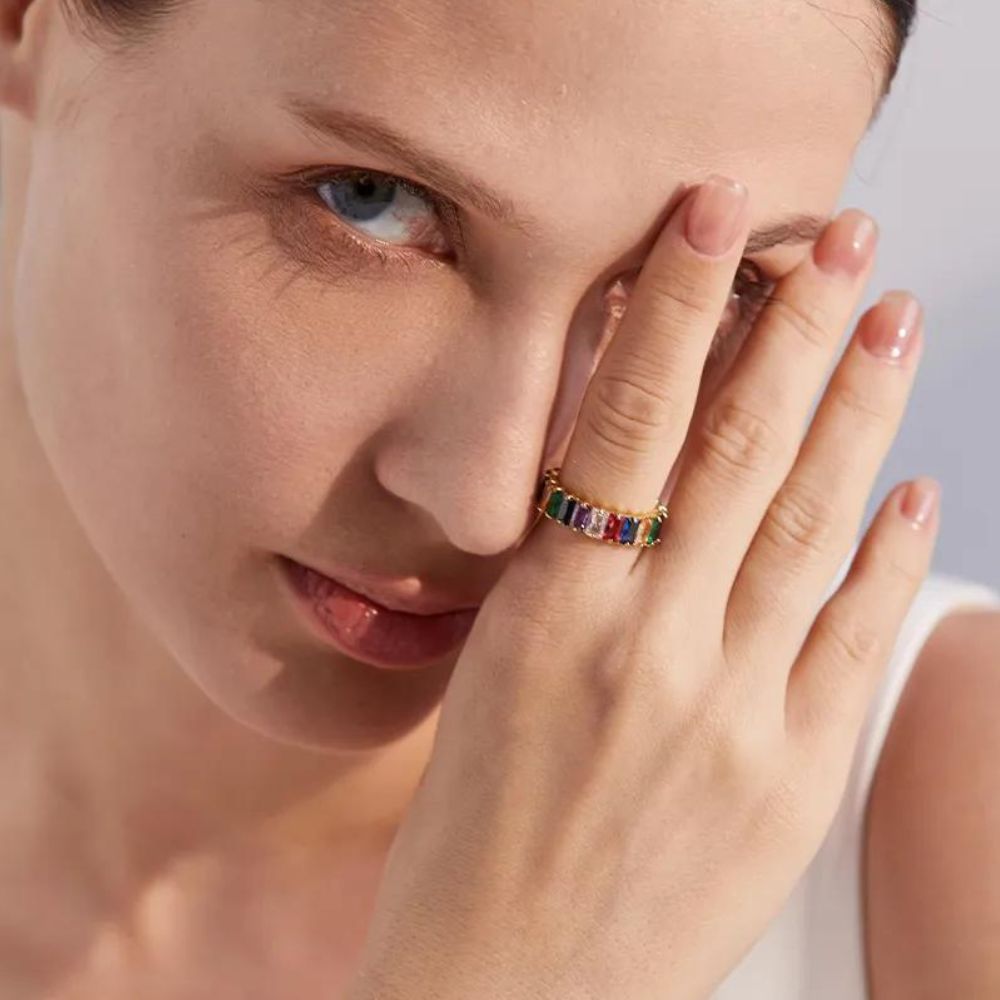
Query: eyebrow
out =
(370, 133)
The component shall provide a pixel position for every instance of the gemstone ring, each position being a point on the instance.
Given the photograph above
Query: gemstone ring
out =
(639, 529)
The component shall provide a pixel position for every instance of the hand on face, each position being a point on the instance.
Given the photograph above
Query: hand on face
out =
(640, 751)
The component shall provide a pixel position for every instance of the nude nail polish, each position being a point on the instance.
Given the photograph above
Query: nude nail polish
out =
(891, 333)
(920, 499)
(715, 217)
(847, 244)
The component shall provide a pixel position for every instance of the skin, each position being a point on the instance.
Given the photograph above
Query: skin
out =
(200, 371)
(932, 850)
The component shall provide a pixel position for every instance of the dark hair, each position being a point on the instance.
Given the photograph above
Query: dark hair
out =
(130, 19)
(904, 13)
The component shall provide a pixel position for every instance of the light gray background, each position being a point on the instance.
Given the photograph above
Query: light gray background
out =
(929, 172)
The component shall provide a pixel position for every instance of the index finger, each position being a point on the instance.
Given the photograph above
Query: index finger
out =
(637, 407)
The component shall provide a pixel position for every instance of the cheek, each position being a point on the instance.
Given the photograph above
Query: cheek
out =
(180, 415)
(287, 380)
(196, 392)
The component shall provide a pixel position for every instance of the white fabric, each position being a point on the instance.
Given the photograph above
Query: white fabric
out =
(815, 949)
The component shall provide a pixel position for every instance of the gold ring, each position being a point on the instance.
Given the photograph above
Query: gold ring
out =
(640, 529)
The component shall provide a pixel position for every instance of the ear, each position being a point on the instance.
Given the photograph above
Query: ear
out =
(19, 31)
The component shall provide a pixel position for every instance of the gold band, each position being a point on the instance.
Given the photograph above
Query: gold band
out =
(639, 529)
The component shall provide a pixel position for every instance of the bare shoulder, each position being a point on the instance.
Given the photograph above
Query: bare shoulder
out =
(932, 845)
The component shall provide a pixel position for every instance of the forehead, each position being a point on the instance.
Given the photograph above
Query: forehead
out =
(584, 104)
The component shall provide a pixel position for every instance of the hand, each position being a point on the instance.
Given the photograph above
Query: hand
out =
(640, 751)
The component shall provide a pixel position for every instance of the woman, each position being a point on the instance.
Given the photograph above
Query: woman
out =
(300, 301)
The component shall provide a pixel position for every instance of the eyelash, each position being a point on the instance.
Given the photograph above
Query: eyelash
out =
(752, 284)
(758, 288)
(383, 253)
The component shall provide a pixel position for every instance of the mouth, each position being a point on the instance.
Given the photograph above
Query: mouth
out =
(378, 625)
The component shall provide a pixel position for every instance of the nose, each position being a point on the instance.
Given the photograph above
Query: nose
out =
(471, 445)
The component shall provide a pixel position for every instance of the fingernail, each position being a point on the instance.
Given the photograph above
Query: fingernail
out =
(715, 217)
(891, 332)
(920, 500)
(847, 244)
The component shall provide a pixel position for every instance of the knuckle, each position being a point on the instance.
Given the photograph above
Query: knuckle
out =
(738, 441)
(856, 402)
(679, 293)
(614, 441)
(746, 756)
(629, 674)
(900, 571)
(746, 744)
(808, 322)
(801, 518)
(851, 641)
(629, 408)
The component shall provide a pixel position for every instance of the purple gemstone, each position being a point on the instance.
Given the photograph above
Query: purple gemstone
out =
(582, 516)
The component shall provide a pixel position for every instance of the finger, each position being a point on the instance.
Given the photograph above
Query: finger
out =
(635, 412)
(744, 444)
(851, 640)
(813, 520)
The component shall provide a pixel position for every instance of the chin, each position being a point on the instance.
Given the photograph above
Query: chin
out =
(289, 690)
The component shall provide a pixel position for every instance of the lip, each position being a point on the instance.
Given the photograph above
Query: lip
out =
(375, 624)
(389, 593)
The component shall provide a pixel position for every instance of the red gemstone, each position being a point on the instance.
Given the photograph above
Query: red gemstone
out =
(611, 528)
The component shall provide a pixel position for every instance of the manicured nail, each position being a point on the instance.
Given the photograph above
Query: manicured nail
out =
(715, 217)
(847, 244)
(920, 500)
(891, 332)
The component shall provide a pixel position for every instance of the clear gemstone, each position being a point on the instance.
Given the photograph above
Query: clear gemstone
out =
(598, 520)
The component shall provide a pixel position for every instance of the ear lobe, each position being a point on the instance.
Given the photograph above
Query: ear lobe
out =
(15, 41)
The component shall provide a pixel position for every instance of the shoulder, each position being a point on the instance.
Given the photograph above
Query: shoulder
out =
(932, 843)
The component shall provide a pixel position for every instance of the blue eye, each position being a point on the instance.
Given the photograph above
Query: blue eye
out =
(384, 207)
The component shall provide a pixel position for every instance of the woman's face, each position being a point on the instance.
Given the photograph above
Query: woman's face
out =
(234, 349)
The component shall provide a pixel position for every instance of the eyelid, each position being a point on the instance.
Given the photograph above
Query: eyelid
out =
(445, 210)
(759, 272)
(315, 176)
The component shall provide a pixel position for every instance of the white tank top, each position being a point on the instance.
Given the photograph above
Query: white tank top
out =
(815, 948)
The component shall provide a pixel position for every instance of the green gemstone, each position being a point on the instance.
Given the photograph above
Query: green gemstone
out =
(555, 502)
(654, 531)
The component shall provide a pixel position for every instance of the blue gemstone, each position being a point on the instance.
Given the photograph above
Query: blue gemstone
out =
(625, 534)
(567, 517)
